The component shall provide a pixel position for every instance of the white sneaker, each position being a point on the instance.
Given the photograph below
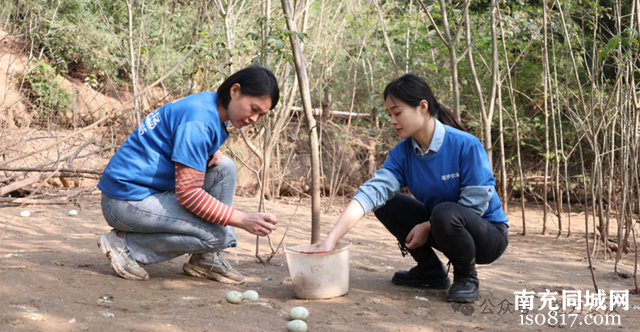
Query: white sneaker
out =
(212, 266)
(116, 250)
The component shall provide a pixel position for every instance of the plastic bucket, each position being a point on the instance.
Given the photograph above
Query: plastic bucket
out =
(319, 275)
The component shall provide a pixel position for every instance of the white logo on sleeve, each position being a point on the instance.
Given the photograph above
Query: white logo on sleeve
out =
(150, 122)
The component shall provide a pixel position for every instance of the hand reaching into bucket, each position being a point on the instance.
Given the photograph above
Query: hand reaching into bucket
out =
(349, 218)
(326, 246)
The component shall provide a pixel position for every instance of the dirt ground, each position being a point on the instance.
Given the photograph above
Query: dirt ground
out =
(53, 277)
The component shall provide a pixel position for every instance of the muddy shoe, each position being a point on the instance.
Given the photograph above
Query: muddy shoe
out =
(212, 266)
(417, 277)
(116, 250)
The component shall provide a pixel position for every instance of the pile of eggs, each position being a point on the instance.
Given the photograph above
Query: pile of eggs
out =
(298, 315)
(235, 297)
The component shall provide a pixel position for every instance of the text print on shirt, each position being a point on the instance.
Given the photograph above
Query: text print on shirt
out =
(151, 122)
(450, 176)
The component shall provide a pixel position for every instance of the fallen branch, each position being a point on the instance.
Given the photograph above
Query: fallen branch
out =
(19, 184)
(66, 170)
(66, 198)
(24, 200)
(11, 178)
(66, 159)
(31, 180)
(76, 193)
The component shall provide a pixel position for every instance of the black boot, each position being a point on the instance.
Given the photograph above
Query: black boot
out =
(435, 278)
(465, 288)
(429, 273)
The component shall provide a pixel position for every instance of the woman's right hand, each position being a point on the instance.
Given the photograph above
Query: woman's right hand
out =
(349, 217)
(258, 223)
(326, 245)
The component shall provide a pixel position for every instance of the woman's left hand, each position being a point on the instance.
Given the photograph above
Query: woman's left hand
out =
(215, 159)
(418, 235)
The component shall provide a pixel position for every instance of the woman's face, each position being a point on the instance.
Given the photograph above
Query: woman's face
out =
(407, 120)
(246, 109)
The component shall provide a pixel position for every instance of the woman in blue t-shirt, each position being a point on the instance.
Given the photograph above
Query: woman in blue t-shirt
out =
(168, 190)
(454, 207)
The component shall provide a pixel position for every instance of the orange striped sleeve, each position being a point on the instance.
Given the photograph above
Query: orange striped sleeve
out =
(190, 194)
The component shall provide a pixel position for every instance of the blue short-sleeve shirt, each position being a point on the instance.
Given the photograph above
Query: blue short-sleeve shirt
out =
(187, 131)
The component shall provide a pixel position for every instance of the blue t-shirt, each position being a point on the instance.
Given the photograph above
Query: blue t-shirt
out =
(187, 131)
(459, 170)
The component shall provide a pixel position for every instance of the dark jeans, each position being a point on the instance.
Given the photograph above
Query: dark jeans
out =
(459, 233)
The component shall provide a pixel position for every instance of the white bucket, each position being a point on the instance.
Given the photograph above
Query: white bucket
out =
(319, 275)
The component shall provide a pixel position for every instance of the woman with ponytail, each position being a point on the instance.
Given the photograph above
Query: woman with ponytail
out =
(454, 208)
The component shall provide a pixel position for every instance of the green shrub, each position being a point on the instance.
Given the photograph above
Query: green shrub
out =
(45, 92)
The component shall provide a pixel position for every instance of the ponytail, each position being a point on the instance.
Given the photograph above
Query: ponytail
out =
(412, 90)
(447, 117)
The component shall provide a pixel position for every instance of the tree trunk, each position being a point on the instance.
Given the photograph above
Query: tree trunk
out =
(386, 37)
(485, 112)
(132, 59)
(515, 119)
(545, 80)
(450, 43)
(303, 81)
(372, 156)
(453, 59)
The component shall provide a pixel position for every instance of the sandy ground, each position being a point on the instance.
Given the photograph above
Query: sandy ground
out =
(54, 278)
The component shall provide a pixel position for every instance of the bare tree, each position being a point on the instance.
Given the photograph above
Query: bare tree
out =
(545, 82)
(303, 81)
(386, 37)
(504, 194)
(225, 9)
(132, 61)
(486, 112)
(451, 43)
(515, 119)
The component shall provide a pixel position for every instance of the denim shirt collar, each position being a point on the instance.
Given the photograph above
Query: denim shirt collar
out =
(436, 141)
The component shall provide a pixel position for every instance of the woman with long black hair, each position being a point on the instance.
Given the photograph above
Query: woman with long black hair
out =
(454, 208)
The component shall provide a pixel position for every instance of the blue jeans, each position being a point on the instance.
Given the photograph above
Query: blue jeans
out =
(158, 228)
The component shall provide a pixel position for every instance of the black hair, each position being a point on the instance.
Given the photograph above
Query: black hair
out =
(412, 90)
(254, 81)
